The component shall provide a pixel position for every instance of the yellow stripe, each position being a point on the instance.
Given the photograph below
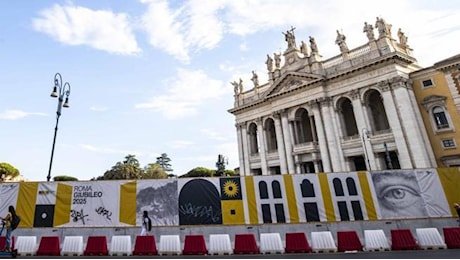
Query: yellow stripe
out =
(128, 203)
(291, 200)
(251, 200)
(63, 204)
(367, 195)
(450, 180)
(27, 199)
(327, 198)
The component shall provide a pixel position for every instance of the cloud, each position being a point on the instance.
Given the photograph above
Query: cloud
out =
(104, 150)
(99, 109)
(185, 94)
(18, 114)
(180, 144)
(212, 134)
(102, 30)
(191, 27)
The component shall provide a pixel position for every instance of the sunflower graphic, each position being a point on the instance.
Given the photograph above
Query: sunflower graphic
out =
(230, 189)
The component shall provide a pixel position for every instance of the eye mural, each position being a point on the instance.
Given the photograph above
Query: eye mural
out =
(398, 194)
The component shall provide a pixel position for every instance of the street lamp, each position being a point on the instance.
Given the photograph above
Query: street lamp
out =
(63, 90)
(365, 133)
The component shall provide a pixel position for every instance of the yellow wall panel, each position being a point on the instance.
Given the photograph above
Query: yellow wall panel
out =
(327, 197)
(367, 195)
(128, 203)
(251, 200)
(25, 207)
(232, 212)
(63, 204)
(291, 200)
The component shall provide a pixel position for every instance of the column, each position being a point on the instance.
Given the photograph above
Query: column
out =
(262, 155)
(330, 136)
(338, 137)
(287, 143)
(393, 119)
(247, 154)
(280, 142)
(363, 130)
(321, 137)
(406, 111)
(241, 152)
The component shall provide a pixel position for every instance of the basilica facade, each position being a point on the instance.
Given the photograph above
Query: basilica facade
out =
(351, 112)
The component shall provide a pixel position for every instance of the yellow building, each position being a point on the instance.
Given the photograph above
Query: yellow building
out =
(437, 90)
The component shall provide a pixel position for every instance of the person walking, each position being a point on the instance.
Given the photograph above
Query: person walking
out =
(146, 224)
(457, 208)
(7, 220)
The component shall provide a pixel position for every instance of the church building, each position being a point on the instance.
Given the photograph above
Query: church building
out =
(351, 112)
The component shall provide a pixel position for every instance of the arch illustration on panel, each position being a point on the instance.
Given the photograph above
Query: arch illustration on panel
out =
(199, 203)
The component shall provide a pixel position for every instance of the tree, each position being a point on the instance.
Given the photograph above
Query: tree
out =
(154, 171)
(7, 171)
(164, 162)
(127, 170)
(64, 178)
(199, 172)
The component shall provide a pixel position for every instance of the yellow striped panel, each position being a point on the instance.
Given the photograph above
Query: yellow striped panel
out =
(367, 195)
(450, 181)
(63, 205)
(27, 199)
(251, 200)
(128, 203)
(327, 198)
(291, 200)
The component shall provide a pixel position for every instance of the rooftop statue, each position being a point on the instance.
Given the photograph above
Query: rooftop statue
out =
(369, 30)
(340, 40)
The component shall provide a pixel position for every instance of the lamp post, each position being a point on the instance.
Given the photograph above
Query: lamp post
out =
(365, 133)
(59, 91)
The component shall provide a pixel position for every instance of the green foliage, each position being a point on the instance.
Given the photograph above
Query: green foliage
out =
(127, 170)
(199, 172)
(164, 162)
(7, 171)
(64, 178)
(154, 171)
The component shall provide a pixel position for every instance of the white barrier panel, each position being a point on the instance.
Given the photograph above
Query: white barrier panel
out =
(220, 244)
(120, 246)
(73, 246)
(169, 245)
(323, 242)
(26, 245)
(375, 240)
(270, 243)
(429, 238)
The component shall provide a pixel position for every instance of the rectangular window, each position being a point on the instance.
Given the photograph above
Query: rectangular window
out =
(448, 143)
(427, 83)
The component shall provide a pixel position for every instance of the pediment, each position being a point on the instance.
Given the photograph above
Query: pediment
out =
(291, 81)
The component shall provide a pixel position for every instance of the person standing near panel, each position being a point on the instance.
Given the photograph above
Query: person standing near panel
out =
(146, 223)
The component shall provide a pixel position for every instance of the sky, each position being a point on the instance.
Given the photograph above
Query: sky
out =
(153, 76)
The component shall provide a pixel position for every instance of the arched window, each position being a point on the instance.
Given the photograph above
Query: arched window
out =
(263, 190)
(308, 190)
(253, 144)
(351, 186)
(276, 190)
(338, 187)
(440, 118)
(378, 117)
(347, 117)
(271, 135)
(303, 127)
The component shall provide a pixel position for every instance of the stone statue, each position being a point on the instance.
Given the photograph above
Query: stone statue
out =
(369, 30)
(269, 63)
(402, 37)
(340, 40)
(235, 87)
(290, 38)
(304, 48)
(313, 46)
(240, 85)
(277, 60)
(383, 28)
(255, 79)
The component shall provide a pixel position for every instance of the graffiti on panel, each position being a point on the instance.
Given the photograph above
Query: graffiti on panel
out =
(199, 203)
